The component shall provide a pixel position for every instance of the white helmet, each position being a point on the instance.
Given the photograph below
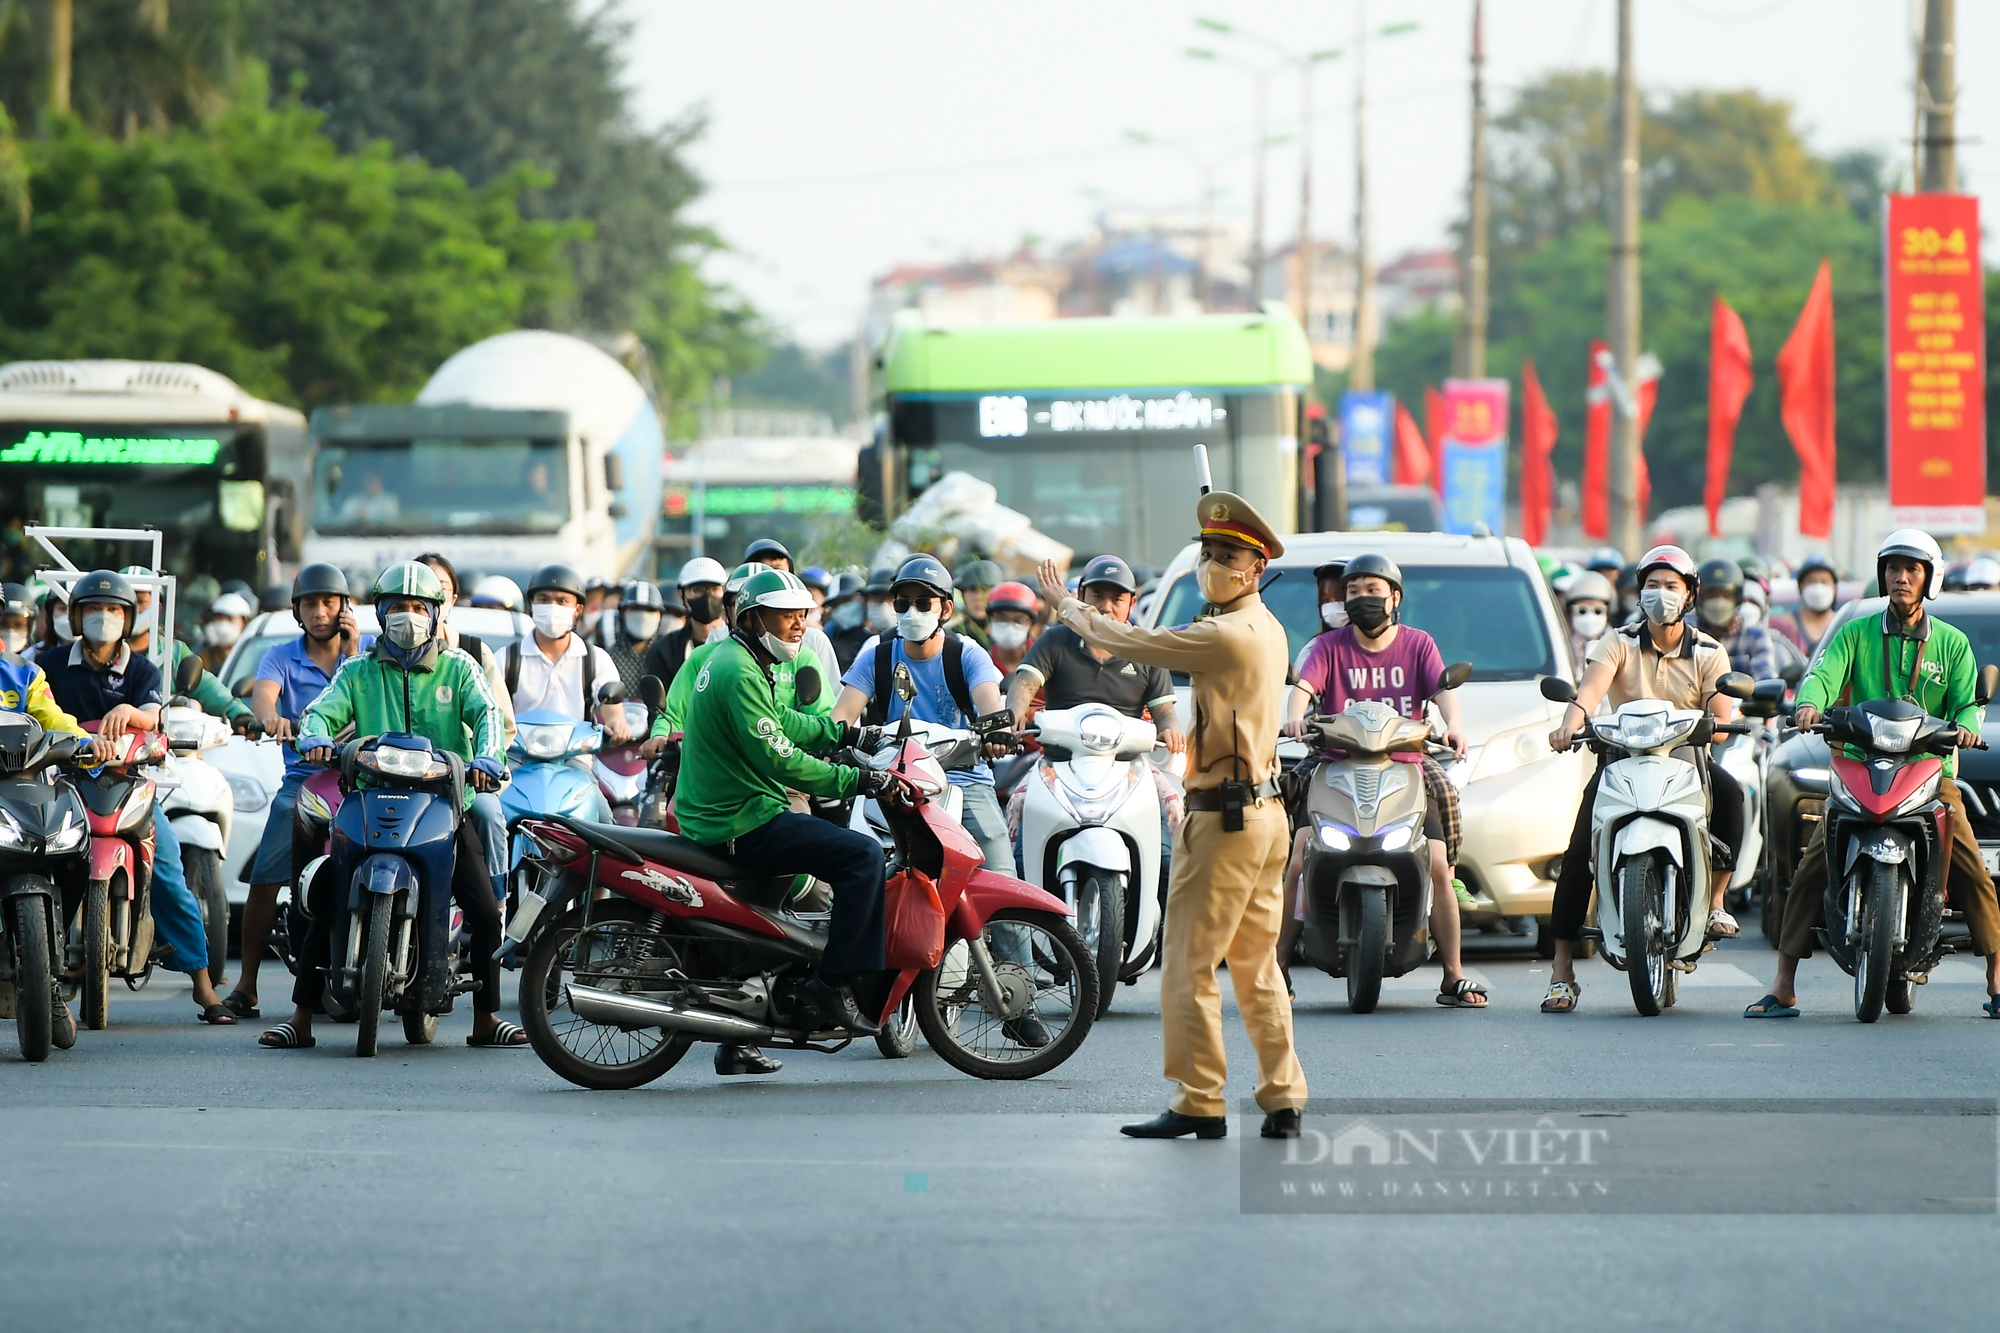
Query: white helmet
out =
(1589, 586)
(235, 604)
(497, 590)
(700, 570)
(1982, 574)
(1911, 544)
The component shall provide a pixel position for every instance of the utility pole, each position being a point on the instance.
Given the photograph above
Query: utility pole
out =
(61, 20)
(1471, 358)
(1622, 297)
(1938, 91)
(1361, 370)
(1302, 254)
(1257, 206)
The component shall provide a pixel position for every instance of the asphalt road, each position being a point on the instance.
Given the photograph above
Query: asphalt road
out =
(165, 1175)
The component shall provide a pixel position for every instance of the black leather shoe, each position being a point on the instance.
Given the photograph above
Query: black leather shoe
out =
(822, 1006)
(1281, 1124)
(744, 1060)
(1027, 1030)
(1174, 1125)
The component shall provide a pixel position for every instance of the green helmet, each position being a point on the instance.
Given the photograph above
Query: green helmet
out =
(776, 589)
(742, 574)
(409, 579)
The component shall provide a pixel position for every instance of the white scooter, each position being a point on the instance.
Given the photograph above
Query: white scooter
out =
(1649, 838)
(1743, 757)
(200, 806)
(1090, 834)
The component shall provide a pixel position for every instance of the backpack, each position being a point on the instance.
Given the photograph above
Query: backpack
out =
(877, 712)
(589, 672)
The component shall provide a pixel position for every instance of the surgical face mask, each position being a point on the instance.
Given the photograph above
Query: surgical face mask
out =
(13, 640)
(668, 624)
(1220, 584)
(1333, 614)
(1661, 606)
(1817, 596)
(847, 615)
(590, 619)
(1717, 610)
(1587, 623)
(60, 624)
(408, 629)
(143, 622)
(881, 617)
(782, 649)
(553, 621)
(640, 625)
(103, 626)
(1006, 634)
(1753, 615)
(1368, 614)
(915, 626)
(221, 633)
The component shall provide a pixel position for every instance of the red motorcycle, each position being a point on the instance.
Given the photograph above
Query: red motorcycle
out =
(686, 947)
(114, 927)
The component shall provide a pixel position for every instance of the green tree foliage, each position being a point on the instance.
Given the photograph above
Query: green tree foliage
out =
(254, 246)
(794, 377)
(135, 64)
(483, 85)
(1737, 207)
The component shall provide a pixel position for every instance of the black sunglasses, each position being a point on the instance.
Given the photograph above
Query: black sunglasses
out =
(903, 604)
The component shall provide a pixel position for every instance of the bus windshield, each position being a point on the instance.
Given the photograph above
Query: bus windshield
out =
(431, 485)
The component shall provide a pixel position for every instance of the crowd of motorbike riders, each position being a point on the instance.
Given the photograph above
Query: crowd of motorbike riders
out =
(972, 642)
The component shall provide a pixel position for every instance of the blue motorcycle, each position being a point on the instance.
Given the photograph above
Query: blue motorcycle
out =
(546, 781)
(393, 846)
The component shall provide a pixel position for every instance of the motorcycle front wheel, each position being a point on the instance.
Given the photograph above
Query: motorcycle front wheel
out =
(1369, 957)
(1054, 990)
(898, 1036)
(374, 973)
(1877, 953)
(618, 953)
(96, 981)
(1644, 931)
(1100, 919)
(204, 876)
(34, 989)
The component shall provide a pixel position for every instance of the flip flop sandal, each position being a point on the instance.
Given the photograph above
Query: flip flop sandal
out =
(1562, 997)
(219, 1014)
(285, 1037)
(1770, 1007)
(507, 1034)
(1460, 994)
(243, 1006)
(1722, 926)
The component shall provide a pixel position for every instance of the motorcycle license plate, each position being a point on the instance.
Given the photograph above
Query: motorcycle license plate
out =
(1990, 854)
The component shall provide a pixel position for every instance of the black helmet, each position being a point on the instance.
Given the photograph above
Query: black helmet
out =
(274, 598)
(1108, 569)
(1720, 574)
(1628, 577)
(241, 589)
(102, 585)
(880, 580)
(320, 580)
(978, 574)
(642, 595)
(1816, 564)
(1331, 569)
(845, 586)
(761, 551)
(14, 599)
(926, 571)
(1374, 566)
(557, 578)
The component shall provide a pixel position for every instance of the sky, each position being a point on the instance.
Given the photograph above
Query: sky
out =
(845, 139)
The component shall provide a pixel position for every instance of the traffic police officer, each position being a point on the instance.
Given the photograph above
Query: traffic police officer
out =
(1225, 900)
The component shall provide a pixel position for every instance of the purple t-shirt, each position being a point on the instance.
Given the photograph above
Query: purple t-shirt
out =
(1403, 675)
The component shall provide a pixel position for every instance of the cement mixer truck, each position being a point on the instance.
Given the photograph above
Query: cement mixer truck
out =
(522, 450)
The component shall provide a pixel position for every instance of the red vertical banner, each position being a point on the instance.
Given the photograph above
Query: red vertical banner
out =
(1434, 435)
(1538, 441)
(1729, 381)
(1413, 453)
(1806, 404)
(1934, 355)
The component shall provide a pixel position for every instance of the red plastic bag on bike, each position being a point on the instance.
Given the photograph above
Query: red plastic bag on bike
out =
(914, 930)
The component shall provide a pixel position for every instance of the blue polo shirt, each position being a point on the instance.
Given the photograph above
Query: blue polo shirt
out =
(300, 681)
(87, 692)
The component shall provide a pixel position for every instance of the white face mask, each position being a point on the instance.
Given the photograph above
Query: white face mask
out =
(553, 621)
(915, 626)
(1008, 635)
(641, 625)
(1753, 615)
(408, 629)
(13, 640)
(143, 622)
(103, 626)
(668, 624)
(846, 616)
(590, 619)
(1333, 614)
(60, 624)
(1817, 596)
(881, 617)
(1717, 611)
(1587, 624)
(1661, 605)
(221, 633)
(781, 649)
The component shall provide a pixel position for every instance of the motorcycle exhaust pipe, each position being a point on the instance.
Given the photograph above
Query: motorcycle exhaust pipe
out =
(617, 1009)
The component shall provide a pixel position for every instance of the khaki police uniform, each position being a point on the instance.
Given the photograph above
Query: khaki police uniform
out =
(1225, 899)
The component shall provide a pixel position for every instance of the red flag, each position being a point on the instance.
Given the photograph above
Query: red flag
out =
(1413, 454)
(1538, 440)
(1597, 449)
(1729, 381)
(1805, 403)
(1434, 435)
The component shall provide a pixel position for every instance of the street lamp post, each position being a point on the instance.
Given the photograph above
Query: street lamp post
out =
(1260, 77)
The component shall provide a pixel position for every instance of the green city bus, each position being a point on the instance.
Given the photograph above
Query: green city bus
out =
(1087, 425)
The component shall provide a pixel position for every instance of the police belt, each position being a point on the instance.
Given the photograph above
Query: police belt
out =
(1211, 798)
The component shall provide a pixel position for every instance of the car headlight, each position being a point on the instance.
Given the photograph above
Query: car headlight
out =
(1504, 753)
(1335, 837)
(246, 794)
(69, 837)
(548, 740)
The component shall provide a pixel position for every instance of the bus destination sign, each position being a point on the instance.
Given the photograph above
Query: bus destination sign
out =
(72, 447)
(1003, 416)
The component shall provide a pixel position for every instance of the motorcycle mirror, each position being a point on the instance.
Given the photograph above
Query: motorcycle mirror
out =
(1792, 672)
(1987, 686)
(1769, 691)
(1456, 675)
(906, 684)
(652, 693)
(242, 688)
(614, 693)
(187, 675)
(1737, 685)
(806, 686)
(1557, 690)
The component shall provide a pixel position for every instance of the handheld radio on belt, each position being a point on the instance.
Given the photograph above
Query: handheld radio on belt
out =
(1237, 792)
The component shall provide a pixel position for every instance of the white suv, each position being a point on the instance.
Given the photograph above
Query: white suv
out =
(1485, 602)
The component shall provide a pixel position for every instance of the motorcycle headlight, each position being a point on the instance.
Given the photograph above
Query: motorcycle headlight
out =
(549, 740)
(1641, 733)
(11, 834)
(1892, 735)
(69, 837)
(1810, 777)
(399, 763)
(1398, 836)
(1099, 732)
(185, 729)
(1335, 837)
(246, 794)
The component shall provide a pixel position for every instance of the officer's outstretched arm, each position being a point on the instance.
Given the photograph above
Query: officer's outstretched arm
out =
(1189, 648)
